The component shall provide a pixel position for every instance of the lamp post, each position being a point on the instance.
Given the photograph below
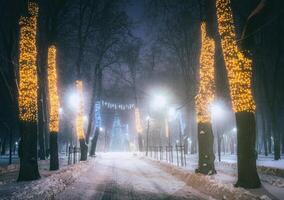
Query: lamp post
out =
(217, 112)
(171, 115)
(147, 134)
(160, 102)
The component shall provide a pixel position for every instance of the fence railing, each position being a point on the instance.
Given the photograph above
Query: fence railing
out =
(171, 154)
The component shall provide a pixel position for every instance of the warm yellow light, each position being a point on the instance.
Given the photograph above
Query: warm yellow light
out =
(28, 84)
(206, 72)
(138, 121)
(52, 90)
(80, 113)
(239, 67)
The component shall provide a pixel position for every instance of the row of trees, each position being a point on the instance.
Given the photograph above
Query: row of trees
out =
(42, 37)
(236, 28)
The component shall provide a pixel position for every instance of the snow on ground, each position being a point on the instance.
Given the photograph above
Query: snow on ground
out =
(272, 186)
(44, 188)
(123, 176)
(9, 173)
(218, 188)
(127, 176)
(262, 161)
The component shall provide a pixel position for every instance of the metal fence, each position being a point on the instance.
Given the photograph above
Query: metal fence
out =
(171, 154)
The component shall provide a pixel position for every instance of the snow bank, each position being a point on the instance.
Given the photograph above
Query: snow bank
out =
(9, 168)
(208, 184)
(47, 188)
(268, 170)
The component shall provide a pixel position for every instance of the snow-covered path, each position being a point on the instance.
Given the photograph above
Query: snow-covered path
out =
(125, 176)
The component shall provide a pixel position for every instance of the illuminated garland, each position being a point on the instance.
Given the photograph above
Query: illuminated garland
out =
(98, 117)
(28, 84)
(80, 116)
(207, 84)
(116, 106)
(138, 121)
(238, 66)
(52, 90)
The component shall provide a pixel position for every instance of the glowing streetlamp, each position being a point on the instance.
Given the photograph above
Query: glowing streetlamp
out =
(85, 118)
(217, 111)
(60, 111)
(172, 113)
(74, 101)
(159, 101)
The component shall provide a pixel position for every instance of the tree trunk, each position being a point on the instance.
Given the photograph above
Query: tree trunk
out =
(84, 149)
(28, 152)
(41, 132)
(97, 129)
(140, 142)
(41, 153)
(93, 102)
(219, 141)
(193, 130)
(282, 143)
(3, 149)
(91, 118)
(265, 143)
(206, 153)
(268, 136)
(54, 162)
(232, 147)
(185, 142)
(94, 142)
(264, 132)
(46, 143)
(276, 138)
(247, 173)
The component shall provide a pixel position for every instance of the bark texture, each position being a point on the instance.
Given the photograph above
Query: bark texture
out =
(28, 152)
(84, 149)
(54, 162)
(247, 173)
(206, 153)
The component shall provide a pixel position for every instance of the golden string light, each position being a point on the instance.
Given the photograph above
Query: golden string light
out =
(28, 84)
(138, 121)
(52, 90)
(206, 72)
(238, 66)
(80, 116)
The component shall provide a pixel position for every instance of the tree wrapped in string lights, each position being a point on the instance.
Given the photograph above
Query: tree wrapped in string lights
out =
(239, 69)
(80, 122)
(53, 107)
(28, 93)
(203, 101)
(138, 128)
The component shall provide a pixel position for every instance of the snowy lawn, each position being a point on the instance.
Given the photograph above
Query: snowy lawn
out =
(50, 182)
(46, 187)
(272, 186)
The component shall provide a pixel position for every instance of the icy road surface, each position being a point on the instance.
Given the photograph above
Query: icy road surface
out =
(116, 176)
